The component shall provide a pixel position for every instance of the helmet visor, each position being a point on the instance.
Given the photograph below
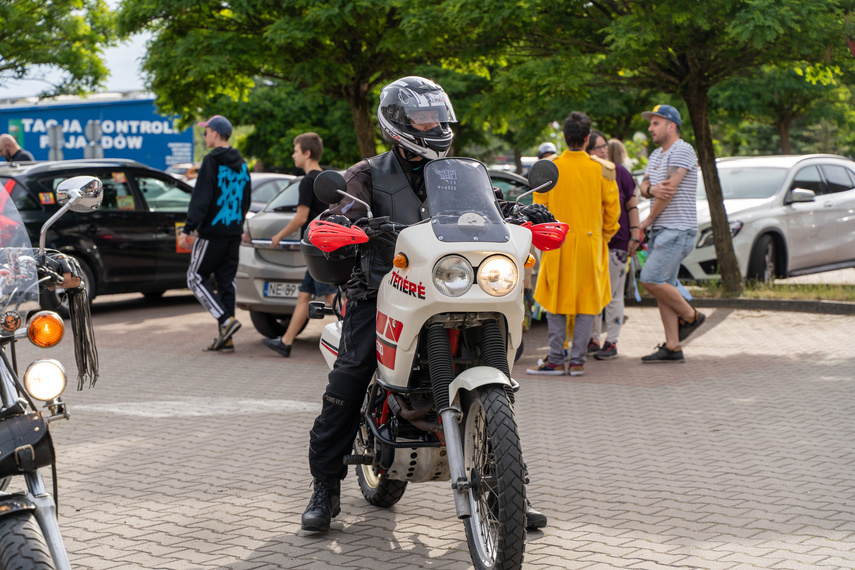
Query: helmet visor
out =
(406, 107)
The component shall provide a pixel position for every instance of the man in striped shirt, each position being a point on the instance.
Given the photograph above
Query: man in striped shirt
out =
(671, 182)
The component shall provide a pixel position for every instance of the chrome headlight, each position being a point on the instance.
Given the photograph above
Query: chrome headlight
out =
(497, 275)
(45, 379)
(707, 235)
(453, 275)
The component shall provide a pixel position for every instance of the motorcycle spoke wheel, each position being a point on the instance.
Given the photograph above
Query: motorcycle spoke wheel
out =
(377, 488)
(493, 461)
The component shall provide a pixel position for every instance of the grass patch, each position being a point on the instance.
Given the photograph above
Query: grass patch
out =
(759, 290)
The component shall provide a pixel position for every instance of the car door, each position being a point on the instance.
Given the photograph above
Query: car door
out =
(810, 225)
(841, 193)
(118, 237)
(166, 199)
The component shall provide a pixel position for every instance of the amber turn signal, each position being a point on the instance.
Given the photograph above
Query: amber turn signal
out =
(45, 329)
(530, 261)
(400, 261)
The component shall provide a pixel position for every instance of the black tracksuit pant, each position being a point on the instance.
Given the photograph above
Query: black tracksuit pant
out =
(219, 257)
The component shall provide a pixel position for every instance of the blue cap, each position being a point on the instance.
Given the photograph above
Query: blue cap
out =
(218, 123)
(666, 112)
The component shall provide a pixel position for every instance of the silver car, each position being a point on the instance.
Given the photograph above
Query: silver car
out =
(788, 215)
(268, 278)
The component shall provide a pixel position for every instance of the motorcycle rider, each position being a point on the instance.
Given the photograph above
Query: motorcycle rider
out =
(414, 116)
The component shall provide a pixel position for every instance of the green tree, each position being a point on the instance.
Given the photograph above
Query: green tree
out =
(343, 49)
(68, 35)
(681, 47)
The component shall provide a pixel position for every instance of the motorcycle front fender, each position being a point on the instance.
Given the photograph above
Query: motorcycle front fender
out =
(476, 377)
(15, 503)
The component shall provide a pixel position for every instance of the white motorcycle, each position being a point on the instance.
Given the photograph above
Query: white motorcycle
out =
(29, 531)
(449, 320)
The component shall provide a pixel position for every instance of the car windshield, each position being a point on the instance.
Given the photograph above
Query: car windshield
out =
(287, 198)
(19, 291)
(461, 202)
(746, 183)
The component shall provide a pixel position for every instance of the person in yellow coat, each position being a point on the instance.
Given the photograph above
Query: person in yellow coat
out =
(574, 279)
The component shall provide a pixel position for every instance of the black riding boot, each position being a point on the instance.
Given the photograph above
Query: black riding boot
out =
(323, 506)
(533, 519)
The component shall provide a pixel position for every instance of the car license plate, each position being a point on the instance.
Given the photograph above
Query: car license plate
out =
(279, 289)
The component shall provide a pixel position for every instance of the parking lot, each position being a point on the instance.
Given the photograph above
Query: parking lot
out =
(742, 457)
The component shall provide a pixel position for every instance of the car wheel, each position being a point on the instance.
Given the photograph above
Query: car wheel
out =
(271, 325)
(57, 300)
(761, 264)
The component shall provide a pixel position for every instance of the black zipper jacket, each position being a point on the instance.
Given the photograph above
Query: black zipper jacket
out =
(221, 197)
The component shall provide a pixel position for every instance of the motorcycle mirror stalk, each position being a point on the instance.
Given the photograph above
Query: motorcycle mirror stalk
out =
(542, 176)
(330, 187)
(79, 194)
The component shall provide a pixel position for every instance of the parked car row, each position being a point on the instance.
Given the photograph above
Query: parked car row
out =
(788, 215)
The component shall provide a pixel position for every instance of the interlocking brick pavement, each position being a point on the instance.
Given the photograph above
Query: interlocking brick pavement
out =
(742, 457)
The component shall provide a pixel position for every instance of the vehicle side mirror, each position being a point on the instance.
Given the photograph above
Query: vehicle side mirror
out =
(81, 193)
(543, 175)
(329, 186)
(802, 195)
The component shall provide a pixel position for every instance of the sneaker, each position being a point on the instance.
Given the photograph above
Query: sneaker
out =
(608, 351)
(687, 328)
(577, 370)
(593, 346)
(229, 346)
(227, 329)
(664, 354)
(275, 344)
(323, 506)
(545, 357)
(547, 368)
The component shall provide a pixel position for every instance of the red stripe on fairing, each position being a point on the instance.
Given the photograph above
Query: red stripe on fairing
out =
(329, 347)
(386, 353)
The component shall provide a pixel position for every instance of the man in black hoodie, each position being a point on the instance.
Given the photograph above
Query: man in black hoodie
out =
(215, 218)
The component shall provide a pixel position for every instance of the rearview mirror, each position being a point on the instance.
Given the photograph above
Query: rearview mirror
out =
(802, 195)
(329, 185)
(543, 176)
(81, 193)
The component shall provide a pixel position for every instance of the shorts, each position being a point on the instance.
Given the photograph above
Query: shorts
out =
(666, 250)
(316, 288)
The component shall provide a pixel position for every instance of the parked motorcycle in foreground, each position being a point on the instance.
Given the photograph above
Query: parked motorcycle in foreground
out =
(29, 532)
(449, 320)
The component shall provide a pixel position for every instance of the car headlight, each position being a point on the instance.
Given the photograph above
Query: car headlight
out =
(45, 379)
(707, 237)
(497, 275)
(453, 275)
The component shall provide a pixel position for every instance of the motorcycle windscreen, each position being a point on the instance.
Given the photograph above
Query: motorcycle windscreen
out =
(19, 289)
(461, 202)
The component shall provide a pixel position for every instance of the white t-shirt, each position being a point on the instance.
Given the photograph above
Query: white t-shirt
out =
(681, 213)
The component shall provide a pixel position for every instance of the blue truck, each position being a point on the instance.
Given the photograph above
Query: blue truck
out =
(130, 127)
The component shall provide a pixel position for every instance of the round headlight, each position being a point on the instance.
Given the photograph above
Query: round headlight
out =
(497, 275)
(453, 275)
(45, 379)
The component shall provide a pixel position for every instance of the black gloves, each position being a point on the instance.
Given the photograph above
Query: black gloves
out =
(338, 219)
(537, 214)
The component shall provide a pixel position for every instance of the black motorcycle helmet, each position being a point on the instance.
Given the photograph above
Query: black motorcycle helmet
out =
(416, 100)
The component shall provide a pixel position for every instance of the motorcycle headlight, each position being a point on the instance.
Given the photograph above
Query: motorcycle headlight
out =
(453, 275)
(707, 237)
(45, 379)
(497, 275)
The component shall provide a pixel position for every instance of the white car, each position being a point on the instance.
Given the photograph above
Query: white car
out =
(789, 215)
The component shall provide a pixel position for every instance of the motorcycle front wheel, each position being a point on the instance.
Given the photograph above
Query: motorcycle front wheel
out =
(22, 544)
(493, 459)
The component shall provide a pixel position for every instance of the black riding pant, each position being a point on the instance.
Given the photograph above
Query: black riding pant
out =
(335, 428)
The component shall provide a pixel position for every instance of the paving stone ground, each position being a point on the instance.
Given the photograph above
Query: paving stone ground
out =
(743, 457)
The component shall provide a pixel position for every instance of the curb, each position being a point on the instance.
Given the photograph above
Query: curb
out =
(794, 305)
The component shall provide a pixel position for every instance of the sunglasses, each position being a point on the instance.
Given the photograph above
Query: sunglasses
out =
(600, 147)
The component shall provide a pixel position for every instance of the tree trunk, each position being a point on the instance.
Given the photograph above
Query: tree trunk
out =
(784, 134)
(698, 101)
(360, 109)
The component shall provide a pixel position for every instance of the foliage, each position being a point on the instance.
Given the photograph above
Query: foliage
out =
(64, 34)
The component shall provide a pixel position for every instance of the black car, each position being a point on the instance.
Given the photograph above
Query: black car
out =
(129, 244)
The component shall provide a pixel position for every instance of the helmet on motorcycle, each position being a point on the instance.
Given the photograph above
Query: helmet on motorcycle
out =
(546, 148)
(413, 101)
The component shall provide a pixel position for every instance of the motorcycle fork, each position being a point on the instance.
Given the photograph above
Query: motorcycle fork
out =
(46, 516)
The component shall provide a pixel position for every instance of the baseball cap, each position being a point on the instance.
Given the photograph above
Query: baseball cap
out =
(666, 112)
(219, 124)
(546, 148)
